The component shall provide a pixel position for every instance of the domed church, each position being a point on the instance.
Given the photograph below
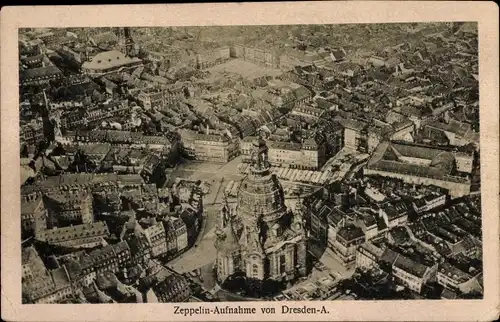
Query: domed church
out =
(259, 236)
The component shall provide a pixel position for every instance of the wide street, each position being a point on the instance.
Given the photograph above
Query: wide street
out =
(202, 254)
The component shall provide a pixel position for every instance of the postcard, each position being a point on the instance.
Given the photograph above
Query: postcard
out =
(261, 161)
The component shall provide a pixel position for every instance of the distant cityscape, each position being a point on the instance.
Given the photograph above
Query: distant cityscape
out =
(250, 163)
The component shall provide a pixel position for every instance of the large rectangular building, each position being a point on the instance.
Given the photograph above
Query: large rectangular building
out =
(78, 236)
(66, 208)
(209, 147)
(307, 155)
(417, 164)
(109, 62)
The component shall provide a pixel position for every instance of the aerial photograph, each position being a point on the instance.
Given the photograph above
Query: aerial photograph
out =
(250, 163)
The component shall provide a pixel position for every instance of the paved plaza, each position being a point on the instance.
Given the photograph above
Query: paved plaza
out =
(243, 68)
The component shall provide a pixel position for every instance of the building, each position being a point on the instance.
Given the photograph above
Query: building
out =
(32, 265)
(157, 239)
(355, 137)
(319, 221)
(464, 162)
(117, 290)
(365, 136)
(78, 236)
(69, 207)
(309, 112)
(212, 58)
(258, 56)
(35, 61)
(32, 133)
(109, 62)
(54, 288)
(368, 224)
(209, 147)
(260, 237)
(411, 274)
(394, 213)
(419, 116)
(429, 202)
(377, 61)
(95, 152)
(457, 133)
(347, 241)
(33, 216)
(140, 251)
(39, 76)
(448, 294)
(418, 165)
(336, 220)
(123, 254)
(291, 58)
(129, 138)
(151, 98)
(49, 37)
(455, 279)
(83, 182)
(180, 233)
(403, 131)
(307, 155)
(99, 261)
(124, 159)
(368, 255)
(399, 236)
(171, 237)
(173, 289)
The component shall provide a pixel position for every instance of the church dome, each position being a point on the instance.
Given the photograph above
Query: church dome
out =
(261, 196)
(260, 193)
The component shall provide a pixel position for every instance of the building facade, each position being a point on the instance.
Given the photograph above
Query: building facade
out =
(367, 255)
(455, 279)
(347, 241)
(307, 155)
(33, 216)
(78, 236)
(180, 234)
(66, 208)
(411, 274)
(157, 239)
(209, 147)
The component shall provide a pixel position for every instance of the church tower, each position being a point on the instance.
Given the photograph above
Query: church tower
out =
(271, 240)
(226, 244)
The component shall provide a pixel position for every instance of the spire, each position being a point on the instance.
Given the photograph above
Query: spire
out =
(260, 160)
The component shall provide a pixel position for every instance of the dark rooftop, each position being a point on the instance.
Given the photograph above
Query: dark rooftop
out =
(350, 232)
